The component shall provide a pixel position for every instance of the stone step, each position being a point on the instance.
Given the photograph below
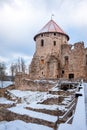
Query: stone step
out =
(9, 116)
(35, 117)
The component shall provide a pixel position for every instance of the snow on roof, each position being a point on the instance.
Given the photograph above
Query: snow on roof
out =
(21, 125)
(20, 110)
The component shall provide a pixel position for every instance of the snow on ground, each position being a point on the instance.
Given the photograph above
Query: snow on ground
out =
(21, 125)
(5, 84)
(66, 126)
(22, 111)
(5, 101)
(80, 112)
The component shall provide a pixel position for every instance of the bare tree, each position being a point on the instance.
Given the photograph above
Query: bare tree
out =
(19, 66)
(2, 73)
(23, 66)
(13, 71)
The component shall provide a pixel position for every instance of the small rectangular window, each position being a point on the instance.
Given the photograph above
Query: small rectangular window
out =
(71, 76)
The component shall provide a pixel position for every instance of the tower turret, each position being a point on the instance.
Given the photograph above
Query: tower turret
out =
(50, 38)
(46, 61)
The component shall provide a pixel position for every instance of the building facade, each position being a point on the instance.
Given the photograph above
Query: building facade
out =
(54, 58)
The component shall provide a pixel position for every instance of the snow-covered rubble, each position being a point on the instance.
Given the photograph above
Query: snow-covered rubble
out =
(30, 96)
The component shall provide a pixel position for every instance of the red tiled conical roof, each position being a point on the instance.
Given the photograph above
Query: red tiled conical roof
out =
(51, 26)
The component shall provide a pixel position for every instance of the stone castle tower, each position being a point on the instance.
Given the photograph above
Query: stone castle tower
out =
(55, 58)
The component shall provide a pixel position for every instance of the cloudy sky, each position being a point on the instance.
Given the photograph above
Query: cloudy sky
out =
(20, 20)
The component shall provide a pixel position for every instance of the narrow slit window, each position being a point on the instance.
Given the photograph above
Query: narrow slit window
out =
(42, 42)
(62, 71)
(86, 59)
(54, 34)
(54, 43)
(66, 60)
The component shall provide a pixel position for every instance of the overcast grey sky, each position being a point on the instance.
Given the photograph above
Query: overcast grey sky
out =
(20, 20)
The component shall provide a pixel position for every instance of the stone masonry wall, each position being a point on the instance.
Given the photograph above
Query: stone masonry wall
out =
(75, 64)
(43, 65)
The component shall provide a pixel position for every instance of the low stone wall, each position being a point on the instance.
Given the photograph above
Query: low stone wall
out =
(2, 90)
(60, 92)
(52, 101)
(35, 85)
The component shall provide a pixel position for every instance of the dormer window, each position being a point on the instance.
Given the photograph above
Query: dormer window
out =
(42, 42)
